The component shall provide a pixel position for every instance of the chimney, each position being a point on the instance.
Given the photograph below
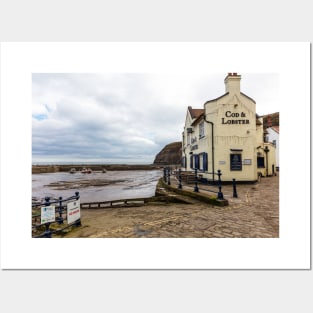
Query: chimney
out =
(232, 83)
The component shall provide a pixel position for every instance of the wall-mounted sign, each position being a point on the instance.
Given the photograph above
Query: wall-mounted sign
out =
(195, 147)
(235, 162)
(221, 162)
(48, 214)
(247, 162)
(239, 118)
(73, 211)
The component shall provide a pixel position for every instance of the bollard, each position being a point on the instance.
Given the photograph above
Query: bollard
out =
(196, 189)
(220, 195)
(60, 218)
(164, 174)
(47, 233)
(168, 176)
(234, 189)
(78, 222)
(179, 179)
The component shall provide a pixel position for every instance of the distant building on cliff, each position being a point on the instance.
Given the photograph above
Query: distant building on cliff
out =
(228, 135)
(273, 137)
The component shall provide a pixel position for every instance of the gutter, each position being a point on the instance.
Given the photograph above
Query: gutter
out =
(212, 124)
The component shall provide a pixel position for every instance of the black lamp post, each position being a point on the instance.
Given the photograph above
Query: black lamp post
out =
(266, 150)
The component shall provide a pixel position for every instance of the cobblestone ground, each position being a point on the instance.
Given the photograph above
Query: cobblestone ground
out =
(254, 214)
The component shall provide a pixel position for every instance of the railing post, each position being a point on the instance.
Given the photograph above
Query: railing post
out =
(168, 176)
(234, 189)
(78, 222)
(179, 179)
(220, 195)
(60, 218)
(196, 189)
(47, 232)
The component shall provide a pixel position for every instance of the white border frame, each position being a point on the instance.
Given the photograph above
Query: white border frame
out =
(20, 251)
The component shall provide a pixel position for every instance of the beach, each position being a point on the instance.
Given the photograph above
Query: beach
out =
(96, 186)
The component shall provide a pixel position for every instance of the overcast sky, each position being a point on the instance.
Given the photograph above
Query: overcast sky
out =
(125, 118)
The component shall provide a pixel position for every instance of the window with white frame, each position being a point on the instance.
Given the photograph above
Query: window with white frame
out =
(201, 161)
(188, 139)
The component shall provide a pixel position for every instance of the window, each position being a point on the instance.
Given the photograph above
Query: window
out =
(201, 129)
(274, 143)
(235, 162)
(260, 162)
(203, 161)
(188, 139)
(194, 161)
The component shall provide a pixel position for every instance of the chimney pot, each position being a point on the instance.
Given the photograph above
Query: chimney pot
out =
(234, 74)
(229, 74)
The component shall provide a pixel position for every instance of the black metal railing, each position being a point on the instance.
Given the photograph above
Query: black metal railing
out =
(193, 178)
(54, 213)
(217, 184)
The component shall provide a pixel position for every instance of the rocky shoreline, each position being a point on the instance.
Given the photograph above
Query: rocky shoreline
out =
(39, 169)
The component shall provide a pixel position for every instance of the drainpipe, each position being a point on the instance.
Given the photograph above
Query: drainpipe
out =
(212, 145)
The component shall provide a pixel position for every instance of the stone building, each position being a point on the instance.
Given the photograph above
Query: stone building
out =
(227, 135)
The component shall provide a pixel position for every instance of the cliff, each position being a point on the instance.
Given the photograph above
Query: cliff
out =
(171, 154)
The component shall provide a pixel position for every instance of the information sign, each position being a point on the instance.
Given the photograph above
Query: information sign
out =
(47, 214)
(247, 162)
(235, 162)
(73, 211)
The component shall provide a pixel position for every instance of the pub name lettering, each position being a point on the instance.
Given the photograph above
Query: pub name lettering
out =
(233, 121)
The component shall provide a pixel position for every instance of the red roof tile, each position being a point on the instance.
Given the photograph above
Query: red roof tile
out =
(195, 113)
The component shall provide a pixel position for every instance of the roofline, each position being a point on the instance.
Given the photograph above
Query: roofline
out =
(197, 119)
(225, 94)
(190, 109)
(247, 97)
(269, 114)
(272, 127)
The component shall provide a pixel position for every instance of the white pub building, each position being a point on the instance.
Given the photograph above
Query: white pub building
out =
(227, 135)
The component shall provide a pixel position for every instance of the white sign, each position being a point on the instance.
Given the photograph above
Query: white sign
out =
(247, 162)
(47, 214)
(73, 211)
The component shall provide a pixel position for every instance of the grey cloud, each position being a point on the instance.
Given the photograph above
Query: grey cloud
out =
(113, 116)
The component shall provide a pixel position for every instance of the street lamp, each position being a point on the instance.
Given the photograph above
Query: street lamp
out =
(266, 150)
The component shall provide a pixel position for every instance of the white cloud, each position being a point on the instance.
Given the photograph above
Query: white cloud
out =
(124, 116)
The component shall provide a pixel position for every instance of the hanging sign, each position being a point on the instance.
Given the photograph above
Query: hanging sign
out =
(73, 211)
(47, 214)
